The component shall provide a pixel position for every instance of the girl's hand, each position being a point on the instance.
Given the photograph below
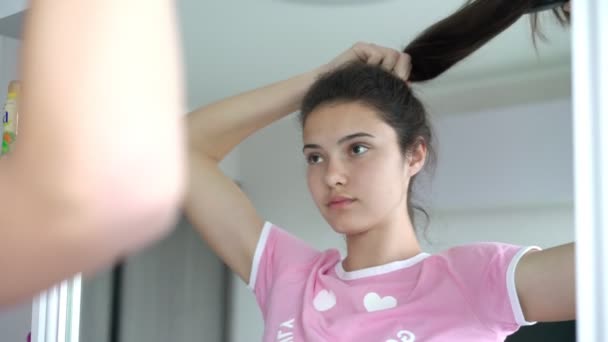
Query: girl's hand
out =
(389, 59)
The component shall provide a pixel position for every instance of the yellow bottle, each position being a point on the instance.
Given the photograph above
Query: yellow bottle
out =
(10, 117)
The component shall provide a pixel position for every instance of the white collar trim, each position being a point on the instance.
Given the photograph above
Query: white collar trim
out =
(378, 270)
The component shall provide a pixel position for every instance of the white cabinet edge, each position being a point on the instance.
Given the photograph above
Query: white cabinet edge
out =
(10, 7)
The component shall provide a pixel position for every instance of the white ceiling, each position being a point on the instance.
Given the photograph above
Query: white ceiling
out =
(234, 45)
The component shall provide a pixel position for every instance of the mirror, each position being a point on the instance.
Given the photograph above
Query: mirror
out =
(502, 121)
(503, 124)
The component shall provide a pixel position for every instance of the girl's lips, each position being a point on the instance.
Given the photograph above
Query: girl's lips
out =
(339, 203)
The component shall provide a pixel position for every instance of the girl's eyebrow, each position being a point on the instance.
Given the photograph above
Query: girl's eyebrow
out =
(342, 140)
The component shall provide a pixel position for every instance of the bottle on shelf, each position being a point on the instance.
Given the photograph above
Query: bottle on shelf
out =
(10, 117)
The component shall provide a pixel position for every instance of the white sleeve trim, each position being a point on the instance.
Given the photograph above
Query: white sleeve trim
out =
(515, 304)
(259, 250)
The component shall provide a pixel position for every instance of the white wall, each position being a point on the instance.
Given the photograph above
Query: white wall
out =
(15, 322)
(9, 53)
(503, 175)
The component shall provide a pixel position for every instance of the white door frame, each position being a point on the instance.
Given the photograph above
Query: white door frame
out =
(590, 118)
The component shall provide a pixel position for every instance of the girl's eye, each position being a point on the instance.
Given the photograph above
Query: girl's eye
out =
(359, 149)
(314, 159)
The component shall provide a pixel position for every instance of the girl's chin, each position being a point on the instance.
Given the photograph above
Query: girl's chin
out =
(347, 229)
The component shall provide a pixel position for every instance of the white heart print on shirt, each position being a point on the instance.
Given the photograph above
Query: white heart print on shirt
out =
(373, 302)
(404, 336)
(324, 300)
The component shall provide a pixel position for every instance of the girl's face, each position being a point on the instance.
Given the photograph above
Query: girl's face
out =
(357, 174)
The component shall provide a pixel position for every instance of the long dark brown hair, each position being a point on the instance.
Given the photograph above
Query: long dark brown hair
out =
(454, 38)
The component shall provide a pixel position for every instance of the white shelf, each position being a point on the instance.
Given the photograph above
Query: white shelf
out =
(11, 17)
(10, 26)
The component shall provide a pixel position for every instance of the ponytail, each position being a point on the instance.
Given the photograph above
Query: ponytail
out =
(454, 38)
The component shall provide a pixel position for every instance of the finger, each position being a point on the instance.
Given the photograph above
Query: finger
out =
(390, 59)
(362, 50)
(375, 57)
(404, 66)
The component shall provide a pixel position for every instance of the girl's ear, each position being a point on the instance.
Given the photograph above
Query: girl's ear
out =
(417, 158)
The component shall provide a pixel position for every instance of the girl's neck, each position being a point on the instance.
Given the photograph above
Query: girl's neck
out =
(386, 242)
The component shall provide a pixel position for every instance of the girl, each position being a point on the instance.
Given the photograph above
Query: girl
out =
(366, 137)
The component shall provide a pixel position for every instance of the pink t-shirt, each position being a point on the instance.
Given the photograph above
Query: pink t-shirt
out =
(466, 293)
